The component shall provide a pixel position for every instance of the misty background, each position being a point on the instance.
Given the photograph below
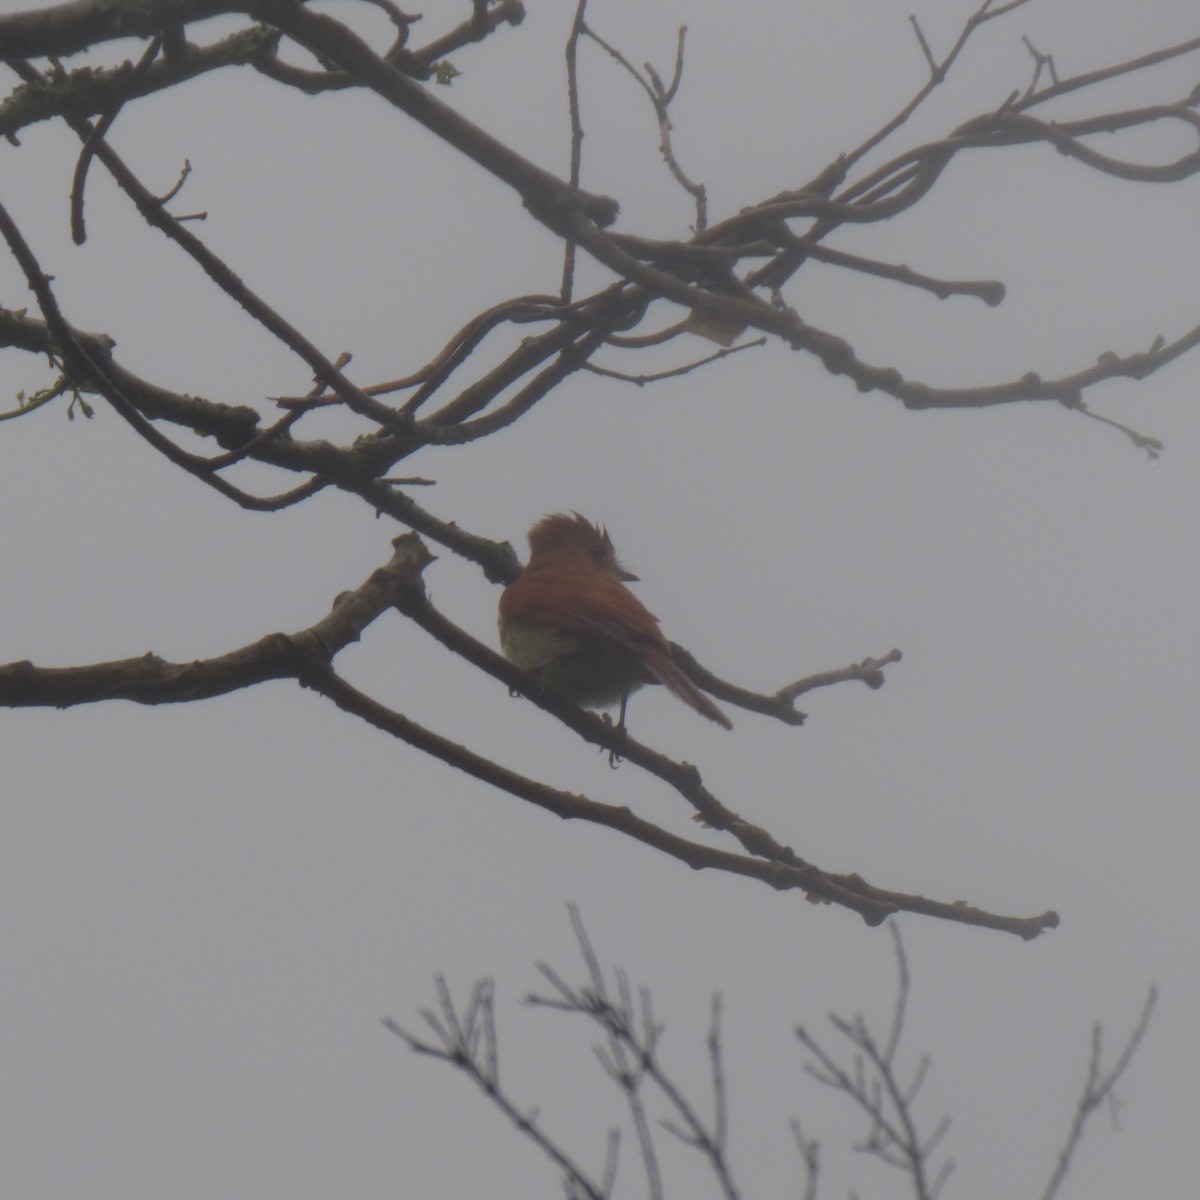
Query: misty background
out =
(206, 909)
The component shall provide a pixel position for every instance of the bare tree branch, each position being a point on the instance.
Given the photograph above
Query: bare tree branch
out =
(874, 1086)
(1099, 1088)
(630, 1056)
(469, 1043)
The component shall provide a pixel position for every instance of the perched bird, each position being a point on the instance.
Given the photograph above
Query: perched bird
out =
(569, 620)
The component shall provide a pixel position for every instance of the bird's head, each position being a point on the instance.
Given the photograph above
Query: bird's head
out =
(571, 536)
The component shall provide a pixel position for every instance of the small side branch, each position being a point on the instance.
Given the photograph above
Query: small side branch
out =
(1099, 1088)
(630, 1059)
(660, 99)
(467, 1040)
(873, 1085)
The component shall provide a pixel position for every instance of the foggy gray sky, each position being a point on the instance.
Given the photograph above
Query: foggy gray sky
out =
(206, 909)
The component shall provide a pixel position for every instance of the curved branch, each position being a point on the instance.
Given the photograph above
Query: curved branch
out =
(1015, 129)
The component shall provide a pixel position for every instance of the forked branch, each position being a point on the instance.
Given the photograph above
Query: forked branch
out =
(306, 657)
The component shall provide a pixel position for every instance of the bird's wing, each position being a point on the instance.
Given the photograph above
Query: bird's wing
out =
(583, 602)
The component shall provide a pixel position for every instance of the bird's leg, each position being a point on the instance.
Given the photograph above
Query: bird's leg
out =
(619, 733)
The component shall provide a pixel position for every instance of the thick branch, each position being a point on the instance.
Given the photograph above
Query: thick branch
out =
(306, 657)
(543, 193)
(88, 92)
(152, 680)
(68, 28)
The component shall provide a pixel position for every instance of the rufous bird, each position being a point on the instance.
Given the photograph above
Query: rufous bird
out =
(570, 621)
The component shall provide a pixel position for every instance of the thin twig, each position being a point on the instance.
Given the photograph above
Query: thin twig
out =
(1099, 1086)
(576, 159)
(673, 372)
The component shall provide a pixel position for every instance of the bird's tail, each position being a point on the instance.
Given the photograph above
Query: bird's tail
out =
(663, 668)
